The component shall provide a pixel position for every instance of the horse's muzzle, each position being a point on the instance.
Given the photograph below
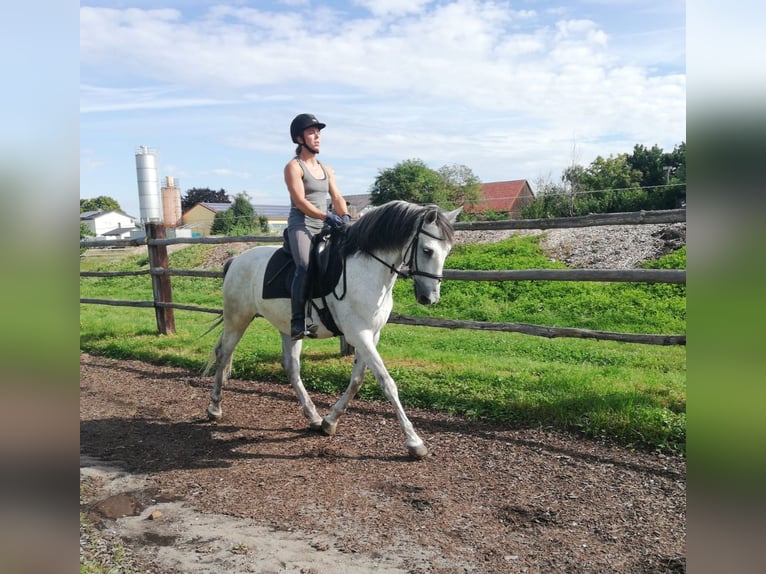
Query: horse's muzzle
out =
(427, 297)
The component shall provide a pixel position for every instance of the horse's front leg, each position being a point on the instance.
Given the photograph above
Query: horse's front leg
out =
(291, 361)
(330, 422)
(367, 352)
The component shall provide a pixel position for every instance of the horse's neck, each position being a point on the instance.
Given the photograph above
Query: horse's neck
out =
(378, 272)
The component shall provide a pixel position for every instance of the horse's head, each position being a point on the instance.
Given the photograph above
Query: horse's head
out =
(432, 243)
(420, 236)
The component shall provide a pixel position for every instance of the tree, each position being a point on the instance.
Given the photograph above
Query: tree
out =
(462, 184)
(612, 173)
(262, 222)
(619, 183)
(552, 200)
(100, 203)
(411, 180)
(239, 219)
(677, 161)
(572, 179)
(663, 175)
(649, 163)
(627, 182)
(85, 232)
(197, 195)
(674, 195)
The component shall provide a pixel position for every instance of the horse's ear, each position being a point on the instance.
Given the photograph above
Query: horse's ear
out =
(452, 215)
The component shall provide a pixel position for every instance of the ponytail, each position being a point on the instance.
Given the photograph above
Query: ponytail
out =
(298, 149)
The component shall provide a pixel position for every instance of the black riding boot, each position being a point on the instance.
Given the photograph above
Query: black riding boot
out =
(298, 300)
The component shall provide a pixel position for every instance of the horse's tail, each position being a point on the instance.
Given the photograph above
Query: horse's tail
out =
(215, 324)
(211, 357)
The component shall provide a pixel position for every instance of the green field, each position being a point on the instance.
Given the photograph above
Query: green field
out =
(631, 394)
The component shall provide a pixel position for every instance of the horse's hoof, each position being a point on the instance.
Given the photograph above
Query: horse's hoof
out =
(418, 452)
(315, 426)
(329, 429)
(214, 413)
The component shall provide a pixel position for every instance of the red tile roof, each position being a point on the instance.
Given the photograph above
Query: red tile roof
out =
(500, 195)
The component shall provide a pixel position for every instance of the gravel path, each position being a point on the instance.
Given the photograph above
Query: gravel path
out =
(258, 492)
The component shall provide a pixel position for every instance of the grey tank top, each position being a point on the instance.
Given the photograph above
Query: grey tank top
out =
(316, 191)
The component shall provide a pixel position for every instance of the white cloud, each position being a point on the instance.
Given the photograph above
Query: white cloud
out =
(504, 91)
(100, 99)
(393, 7)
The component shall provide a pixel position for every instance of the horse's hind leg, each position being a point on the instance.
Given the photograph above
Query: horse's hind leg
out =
(224, 352)
(330, 422)
(291, 361)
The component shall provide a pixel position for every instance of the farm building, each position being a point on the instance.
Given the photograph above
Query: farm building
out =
(502, 197)
(199, 219)
(109, 224)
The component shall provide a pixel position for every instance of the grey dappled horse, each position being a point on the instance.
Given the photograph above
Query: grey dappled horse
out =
(395, 239)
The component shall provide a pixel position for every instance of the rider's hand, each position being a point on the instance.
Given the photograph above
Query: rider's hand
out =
(334, 221)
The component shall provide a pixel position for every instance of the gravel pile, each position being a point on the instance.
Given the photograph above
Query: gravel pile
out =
(598, 247)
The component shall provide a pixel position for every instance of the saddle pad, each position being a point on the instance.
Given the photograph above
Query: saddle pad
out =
(279, 275)
(280, 269)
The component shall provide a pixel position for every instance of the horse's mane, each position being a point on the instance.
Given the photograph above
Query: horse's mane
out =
(390, 226)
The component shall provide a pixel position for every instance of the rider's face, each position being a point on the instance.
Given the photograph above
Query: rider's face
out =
(311, 138)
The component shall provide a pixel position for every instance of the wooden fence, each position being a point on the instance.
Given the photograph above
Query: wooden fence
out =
(163, 304)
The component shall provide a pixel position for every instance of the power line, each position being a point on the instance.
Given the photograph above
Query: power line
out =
(584, 192)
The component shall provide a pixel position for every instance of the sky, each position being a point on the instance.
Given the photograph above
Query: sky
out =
(512, 90)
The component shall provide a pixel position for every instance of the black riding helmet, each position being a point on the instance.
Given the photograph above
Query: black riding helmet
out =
(303, 122)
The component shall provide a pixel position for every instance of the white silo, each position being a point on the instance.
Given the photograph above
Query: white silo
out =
(171, 202)
(149, 200)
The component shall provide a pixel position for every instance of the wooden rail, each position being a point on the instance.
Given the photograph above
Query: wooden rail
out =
(163, 304)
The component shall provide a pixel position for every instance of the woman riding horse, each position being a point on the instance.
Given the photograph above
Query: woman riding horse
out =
(308, 182)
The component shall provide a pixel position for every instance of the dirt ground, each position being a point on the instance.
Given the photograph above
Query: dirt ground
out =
(259, 492)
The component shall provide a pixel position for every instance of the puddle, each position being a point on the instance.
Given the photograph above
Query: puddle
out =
(125, 504)
(159, 539)
(117, 506)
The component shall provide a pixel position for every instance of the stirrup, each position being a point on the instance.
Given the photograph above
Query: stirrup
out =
(310, 332)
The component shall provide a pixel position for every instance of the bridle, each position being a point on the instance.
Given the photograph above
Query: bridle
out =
(412, 249)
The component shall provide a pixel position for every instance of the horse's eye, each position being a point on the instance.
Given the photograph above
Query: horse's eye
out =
(428, 251)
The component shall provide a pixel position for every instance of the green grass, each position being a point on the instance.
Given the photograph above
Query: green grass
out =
(621, 307)
(631, 394)
(91, 562)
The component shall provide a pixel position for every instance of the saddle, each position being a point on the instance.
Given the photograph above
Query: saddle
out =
(326, 265)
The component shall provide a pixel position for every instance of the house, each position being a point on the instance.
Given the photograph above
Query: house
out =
(200, 217)
(113, 224)
(502, 196)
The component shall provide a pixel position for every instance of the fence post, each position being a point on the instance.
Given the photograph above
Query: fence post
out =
(158, 258)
